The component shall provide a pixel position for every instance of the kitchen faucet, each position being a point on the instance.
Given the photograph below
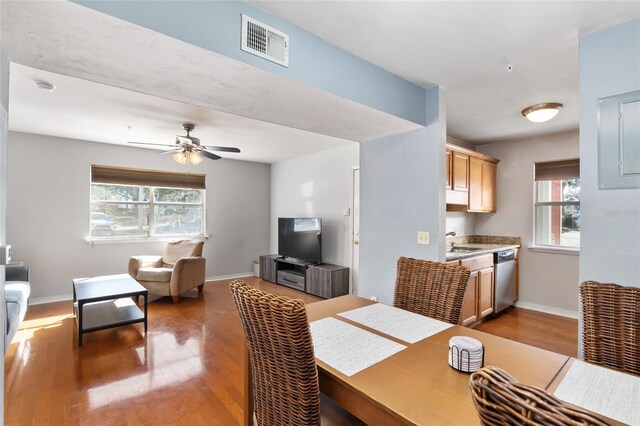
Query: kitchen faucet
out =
(451, 234)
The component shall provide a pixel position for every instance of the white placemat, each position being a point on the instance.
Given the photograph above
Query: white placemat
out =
(603, 391)
(401, 324)
(347, 348)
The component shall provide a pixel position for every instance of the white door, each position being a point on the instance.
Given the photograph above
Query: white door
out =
(355, 255)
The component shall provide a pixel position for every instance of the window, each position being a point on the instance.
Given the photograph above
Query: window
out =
(134, 203)
(557, 204)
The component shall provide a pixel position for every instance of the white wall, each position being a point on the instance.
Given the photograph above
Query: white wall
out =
(461, 223)
(317, 185)
(548, 281)
(609, 65)
(48, 211)
(402, 192)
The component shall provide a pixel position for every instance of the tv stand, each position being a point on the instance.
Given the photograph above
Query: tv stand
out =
(322, 280)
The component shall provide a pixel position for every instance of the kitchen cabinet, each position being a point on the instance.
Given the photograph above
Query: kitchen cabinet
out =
(482, 185)
(469, 312)
(485, 296)
(457, 178)
(478, 298)
(471, 180)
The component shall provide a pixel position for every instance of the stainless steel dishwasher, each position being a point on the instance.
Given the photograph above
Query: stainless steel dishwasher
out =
(505, 276)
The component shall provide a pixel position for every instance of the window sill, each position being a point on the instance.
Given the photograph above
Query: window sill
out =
(100, 241)
(558, 250)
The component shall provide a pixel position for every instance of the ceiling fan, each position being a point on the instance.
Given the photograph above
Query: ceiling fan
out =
(187, 149)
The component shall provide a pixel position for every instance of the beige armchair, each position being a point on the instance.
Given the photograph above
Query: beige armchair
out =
(179, 269)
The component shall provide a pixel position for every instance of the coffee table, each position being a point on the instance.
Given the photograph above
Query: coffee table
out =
(105, 302)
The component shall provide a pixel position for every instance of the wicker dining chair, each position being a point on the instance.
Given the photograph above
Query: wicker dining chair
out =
(501, 400)
(284, 376)
(429, 288)
(611, 325)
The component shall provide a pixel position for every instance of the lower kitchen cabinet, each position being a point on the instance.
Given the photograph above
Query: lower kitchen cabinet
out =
(485, 298)
(469, 312)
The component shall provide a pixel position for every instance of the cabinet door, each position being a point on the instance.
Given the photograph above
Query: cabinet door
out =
(485, 286)
(469, 313)
(475, 184)
(460, 171)
(449, 170)
(488, 186)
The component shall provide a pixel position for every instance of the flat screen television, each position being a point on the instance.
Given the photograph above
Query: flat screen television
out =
(300, 238)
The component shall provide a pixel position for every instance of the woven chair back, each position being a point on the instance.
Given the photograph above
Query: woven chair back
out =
(283, 368)
(430, 288)
(611, 325)
(500, 400)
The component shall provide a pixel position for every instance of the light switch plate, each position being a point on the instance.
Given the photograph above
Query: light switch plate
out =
(423, 238)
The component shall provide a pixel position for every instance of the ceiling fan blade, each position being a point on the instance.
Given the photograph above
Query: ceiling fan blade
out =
(155, 144)
(209, 154)
(222, 148)
(171, 151)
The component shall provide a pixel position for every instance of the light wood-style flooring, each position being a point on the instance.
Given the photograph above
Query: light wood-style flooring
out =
(188, 370)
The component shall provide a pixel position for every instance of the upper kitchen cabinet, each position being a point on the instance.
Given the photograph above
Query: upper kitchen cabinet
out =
(471, 180)
(457, 177)
(482, 185)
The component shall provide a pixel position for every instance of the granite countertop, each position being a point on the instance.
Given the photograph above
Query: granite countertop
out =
(483, 244)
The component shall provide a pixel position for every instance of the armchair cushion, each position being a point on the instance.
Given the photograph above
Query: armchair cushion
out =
(154, 274)
(183, 248)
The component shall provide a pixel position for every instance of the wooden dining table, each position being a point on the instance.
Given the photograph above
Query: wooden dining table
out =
(416, 386)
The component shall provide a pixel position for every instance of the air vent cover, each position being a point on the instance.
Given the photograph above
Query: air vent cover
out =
(264, 41)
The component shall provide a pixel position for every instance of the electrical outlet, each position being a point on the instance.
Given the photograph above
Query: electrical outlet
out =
(346, 212)
(423, 238)
(373, 298)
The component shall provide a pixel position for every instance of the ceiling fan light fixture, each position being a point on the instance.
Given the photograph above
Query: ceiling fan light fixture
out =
(542, 112)
(195, 158)
(180, 157)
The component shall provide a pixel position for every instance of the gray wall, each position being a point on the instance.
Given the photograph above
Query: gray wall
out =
(609, 65)
(548, 281)
(401, 193)
(48, 211)
(317, 185)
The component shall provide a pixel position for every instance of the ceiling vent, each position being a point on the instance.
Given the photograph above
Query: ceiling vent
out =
(264, 41)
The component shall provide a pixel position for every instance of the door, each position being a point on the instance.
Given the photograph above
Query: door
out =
(485, 285)
(355, 240)
(469, 312)
(460, 171)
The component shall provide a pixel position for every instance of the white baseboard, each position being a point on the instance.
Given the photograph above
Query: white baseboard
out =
(65, 297)
(228, 277)
(547, 309)
(50, 299)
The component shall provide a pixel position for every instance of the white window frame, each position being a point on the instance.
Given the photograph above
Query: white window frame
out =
(547, 247)
(151, 203)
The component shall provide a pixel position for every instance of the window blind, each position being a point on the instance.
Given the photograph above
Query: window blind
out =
(128, 176)
(558, 170)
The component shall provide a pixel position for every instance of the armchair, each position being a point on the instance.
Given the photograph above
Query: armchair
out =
(179, 269)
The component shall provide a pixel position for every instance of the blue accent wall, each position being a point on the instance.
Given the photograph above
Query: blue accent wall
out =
(401, 193)
(216, 26)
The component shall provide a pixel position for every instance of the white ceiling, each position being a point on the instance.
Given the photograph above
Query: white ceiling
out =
(73, 40)
(464, 46)
(80, 109)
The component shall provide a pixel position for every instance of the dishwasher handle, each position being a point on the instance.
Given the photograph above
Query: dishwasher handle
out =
(504, 256)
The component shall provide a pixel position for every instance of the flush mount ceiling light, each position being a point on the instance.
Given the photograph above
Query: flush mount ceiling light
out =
(542, 112)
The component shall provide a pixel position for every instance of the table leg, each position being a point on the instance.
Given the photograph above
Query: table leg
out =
(248, 391)
(146, 297)
(80, 307)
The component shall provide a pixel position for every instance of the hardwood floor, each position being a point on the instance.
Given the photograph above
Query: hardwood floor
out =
(188, 369)
(546, 331)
